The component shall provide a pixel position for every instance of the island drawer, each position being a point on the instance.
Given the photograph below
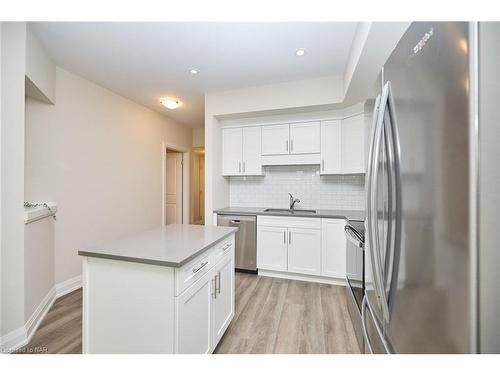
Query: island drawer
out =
(187, 274)
(223, 248)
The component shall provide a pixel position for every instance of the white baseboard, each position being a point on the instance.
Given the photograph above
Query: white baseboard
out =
(300, 277)
(68, 286)
(39, 313)
(22, 335)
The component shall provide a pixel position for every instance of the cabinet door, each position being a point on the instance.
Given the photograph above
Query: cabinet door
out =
(231, 151)
(272, 248)
(275, 140)
(252, 151)
(223, 298)
(305, 138)
(304, 251)
(333, 248)
(353, 144)
(330, 147)
(193, 316)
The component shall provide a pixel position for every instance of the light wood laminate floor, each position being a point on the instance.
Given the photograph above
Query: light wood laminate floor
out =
(272, 316)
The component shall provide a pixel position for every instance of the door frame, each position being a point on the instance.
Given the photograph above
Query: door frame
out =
(186, 157)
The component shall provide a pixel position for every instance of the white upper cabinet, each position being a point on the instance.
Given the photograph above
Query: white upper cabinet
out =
(241, 151)
(353, 144)
(231, 151)
(305, 138)
(343, 146)
(330, 147)
(251, 151)
(275, 139)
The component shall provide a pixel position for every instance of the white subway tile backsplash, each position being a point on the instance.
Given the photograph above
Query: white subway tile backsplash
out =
(341, 192)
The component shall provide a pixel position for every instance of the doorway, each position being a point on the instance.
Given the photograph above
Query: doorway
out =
(173, 187)
(198, 190)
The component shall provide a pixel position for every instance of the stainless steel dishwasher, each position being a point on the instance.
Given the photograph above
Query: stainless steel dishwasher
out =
(246, 240)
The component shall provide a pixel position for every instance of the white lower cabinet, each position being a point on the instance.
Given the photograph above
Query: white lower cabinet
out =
(333, 248)
(205, 309)
(272, 248)
(223, 299)
(307, 246)
(304, 251)
(194, 316)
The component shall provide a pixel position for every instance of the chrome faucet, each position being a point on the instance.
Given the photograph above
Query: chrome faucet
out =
(293, 201)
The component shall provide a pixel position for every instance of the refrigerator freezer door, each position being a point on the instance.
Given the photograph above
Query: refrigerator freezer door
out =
(429, 75)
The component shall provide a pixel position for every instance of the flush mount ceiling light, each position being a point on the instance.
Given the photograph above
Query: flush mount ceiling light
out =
(300, 52)
(193, 71)
(170, 103)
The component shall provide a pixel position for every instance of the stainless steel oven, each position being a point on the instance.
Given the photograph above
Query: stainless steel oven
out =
(355, 274)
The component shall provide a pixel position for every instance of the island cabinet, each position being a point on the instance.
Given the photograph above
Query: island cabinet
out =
(133, 305)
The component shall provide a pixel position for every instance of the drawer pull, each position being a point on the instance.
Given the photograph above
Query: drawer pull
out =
(196, 269)
(227, 246)
(217, 283)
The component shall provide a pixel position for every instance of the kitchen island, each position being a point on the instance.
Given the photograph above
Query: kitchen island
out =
(166, 290)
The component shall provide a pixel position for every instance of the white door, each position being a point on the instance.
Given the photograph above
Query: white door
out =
(275, 139)
(223, 298)
(272, 248)
(252, 142)
(353, 144)
(333, 248)
(330, 147)
(304, 251)
(231, 151)
(305, 138)
(193, 314)
(173, 188)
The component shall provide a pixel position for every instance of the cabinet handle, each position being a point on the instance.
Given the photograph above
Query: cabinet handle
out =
(239, 167)
(196, 269)
(291, 145)
(243, 167)
(214, 281)
(217, 284)
(323, 165)
(290, 238)
(287, 145)
(284, 237)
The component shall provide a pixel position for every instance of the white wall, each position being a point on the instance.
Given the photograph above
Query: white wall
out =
(38, 263)
(40, 71)
(282, 96)
(99, 157)
(372, 45)
(12, 174)
(489, 186)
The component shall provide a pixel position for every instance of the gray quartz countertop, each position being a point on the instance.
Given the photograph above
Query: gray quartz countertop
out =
(358, 215)
(171, 245)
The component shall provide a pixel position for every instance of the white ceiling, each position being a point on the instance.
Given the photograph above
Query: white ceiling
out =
(146, 61)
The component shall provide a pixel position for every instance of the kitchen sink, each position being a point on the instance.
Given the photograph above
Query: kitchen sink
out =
(286, 210)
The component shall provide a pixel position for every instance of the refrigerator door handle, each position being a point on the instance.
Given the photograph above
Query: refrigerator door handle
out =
(396, 221)
(373, 214)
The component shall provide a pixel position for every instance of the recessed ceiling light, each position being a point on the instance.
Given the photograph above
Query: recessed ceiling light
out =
(300, 52)
(193, 71)
(170, 103)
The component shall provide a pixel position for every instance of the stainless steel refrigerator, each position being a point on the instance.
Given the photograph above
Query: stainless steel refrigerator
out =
(421, 249)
